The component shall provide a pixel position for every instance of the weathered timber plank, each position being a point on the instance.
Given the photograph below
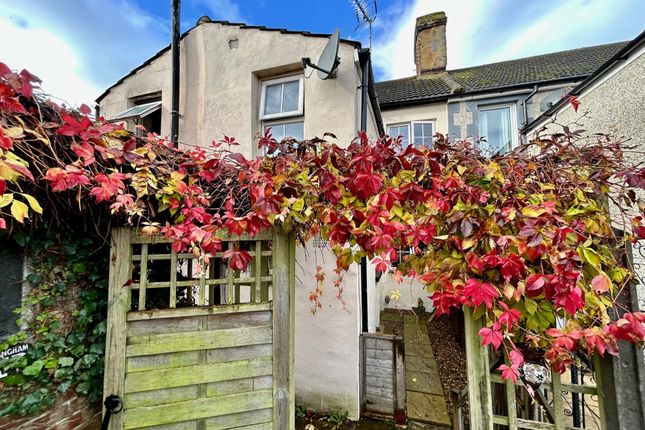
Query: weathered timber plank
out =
(378, 408)
(192, 341)
(160, 397)
(201, 373)
(379, 371)
(184, 425)
(229, 387)
(479, 393)
(168, 325)
(262, 382)
(118, 305)
(241, 420)
(375, 381)
(378, 354)
(161, 361)
(239, 386)
(173, 280)
(241, 319)
(194, 311)
(239, 353)
(423, 382)
(375, 362)
(143, 273)
(376, 343)
(284, 325)
(136, 236)
(196, 409)
(511, 404)
(534, 425)
(379, 392)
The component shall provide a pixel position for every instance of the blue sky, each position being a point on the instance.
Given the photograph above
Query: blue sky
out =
(80, 47)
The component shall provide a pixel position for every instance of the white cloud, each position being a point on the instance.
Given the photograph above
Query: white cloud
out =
(78, 47)
(485, 31)
(394, 47)
(49, 58)
(224, 9)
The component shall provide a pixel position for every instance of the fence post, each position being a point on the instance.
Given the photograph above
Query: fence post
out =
(283, 331)
(118, 295)
(479, 392)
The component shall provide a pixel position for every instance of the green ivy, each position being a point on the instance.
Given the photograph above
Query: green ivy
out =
(66, 332)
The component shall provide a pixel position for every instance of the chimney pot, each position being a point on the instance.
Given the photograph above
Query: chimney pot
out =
(430, 53)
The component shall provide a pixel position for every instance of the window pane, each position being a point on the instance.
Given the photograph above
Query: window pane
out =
(295, 130)
(290, 97)
(400, 130)
(272, 99)
(423, 133)
(495, 127)
(277, 131)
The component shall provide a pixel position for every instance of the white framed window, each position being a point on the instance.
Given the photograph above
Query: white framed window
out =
(416, 132)
(282, 97)
(498, 127)
(402, 130)
(422, 133)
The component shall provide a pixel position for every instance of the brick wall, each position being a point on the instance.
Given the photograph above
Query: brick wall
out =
(69, 413)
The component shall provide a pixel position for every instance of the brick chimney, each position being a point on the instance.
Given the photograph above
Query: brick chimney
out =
(430, 43)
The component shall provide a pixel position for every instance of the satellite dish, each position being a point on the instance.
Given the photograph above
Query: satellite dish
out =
(328, 62)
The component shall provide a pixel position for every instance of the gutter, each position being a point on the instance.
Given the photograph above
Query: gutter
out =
(485, 93)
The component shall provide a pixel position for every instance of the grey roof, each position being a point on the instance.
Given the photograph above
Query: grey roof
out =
(615, 61)
(570, 65)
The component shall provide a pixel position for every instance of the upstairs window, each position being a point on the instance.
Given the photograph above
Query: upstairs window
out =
(282, 97)
(497, 126)
(281, 130)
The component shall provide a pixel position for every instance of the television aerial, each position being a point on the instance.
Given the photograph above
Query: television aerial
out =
(328, 62)
(365, 14)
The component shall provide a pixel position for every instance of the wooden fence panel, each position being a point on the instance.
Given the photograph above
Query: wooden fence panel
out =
(190, 366)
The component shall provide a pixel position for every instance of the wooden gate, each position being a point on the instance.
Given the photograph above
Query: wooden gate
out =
(200, 349)
(556, 404)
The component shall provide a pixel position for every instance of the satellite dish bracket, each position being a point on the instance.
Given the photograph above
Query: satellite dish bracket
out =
(306, 61)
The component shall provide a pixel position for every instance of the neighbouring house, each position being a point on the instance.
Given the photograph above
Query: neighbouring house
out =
(491, 101)
(612, 101)
(239, 80)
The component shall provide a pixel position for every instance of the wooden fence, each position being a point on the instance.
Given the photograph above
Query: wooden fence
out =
(498, 404)
(192, 347)
(383, 375)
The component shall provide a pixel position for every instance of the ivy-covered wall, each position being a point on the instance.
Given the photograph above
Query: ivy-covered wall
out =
(62, 320)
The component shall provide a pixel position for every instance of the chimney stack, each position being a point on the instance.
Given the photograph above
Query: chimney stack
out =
(430, 43)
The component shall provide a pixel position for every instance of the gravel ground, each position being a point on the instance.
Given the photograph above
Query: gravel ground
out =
(446, 338)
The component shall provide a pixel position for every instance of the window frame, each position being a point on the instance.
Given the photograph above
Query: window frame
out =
(398, 124)
(434, 130)
(410, 126)
(512, 107)
(267, 124)
(301, 97)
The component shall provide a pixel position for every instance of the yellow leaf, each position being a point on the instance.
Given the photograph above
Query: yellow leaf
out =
(19, 211)
(298, 205)
(33, 203)
(5, 199)
(13, 132)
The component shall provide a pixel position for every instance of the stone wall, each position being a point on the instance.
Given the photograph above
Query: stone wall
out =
(69, 413)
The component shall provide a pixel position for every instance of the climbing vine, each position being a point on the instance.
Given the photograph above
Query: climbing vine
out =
(64, 322)
(526, 239)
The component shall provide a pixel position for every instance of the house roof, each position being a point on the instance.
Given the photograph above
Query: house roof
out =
(572, 65)
(617, 60)
(207, 20)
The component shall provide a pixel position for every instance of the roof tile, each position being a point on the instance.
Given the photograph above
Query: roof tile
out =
(572, 64)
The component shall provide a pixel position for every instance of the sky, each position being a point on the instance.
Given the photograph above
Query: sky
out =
(81, 47)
